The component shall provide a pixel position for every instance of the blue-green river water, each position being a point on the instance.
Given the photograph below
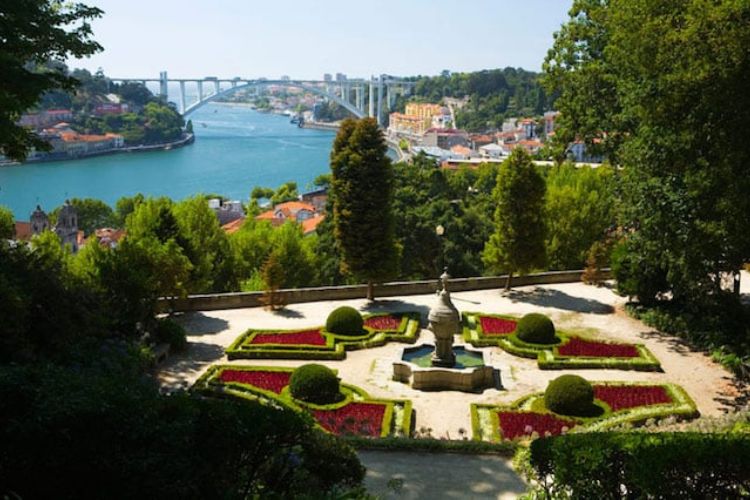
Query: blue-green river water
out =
(238, 148)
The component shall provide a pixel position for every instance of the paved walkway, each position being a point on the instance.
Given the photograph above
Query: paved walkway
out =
(405, 475)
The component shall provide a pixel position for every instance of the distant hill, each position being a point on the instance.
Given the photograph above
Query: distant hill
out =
(494, 95)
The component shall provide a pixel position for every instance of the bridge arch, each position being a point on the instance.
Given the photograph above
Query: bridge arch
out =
(284, 83)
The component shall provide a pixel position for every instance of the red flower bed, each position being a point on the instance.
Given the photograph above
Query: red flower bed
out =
(268, 380)
(622, 397)
(383, 322)
(497, 326)
(579, 347)
(361, 419)
(516, 424)
(306, 337)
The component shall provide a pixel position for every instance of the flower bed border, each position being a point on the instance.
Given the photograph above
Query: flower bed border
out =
(546, 355)
(336, 345)
(682, 407)
(210, 384)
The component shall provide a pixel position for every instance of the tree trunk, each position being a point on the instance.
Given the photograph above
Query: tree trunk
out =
(370, 290)
(737, 277)
(508, 280)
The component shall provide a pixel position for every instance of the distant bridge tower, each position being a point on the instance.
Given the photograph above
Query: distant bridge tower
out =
(163, 88)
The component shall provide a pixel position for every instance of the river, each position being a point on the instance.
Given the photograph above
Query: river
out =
(236, 149)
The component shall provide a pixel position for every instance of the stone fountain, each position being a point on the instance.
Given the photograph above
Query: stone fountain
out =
(443, 366)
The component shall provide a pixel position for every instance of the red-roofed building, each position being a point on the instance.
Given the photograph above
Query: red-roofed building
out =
(298, 211)
(107, 237)
(234, 226)
(23, 231)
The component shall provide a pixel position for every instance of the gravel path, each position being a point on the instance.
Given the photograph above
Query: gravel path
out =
(406, 475)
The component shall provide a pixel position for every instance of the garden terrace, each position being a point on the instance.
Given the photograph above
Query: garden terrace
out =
(576, 310)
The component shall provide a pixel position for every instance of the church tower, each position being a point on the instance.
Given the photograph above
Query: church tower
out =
(67, 226)
(39, 221)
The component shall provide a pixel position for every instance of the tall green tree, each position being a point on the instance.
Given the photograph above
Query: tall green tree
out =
(662, 86)
(7, 224)
(580, 207)
(517, 245)
(206, 245)
(362, 189)
(33, 32)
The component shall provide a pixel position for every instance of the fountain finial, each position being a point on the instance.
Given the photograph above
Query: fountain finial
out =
(444, 280)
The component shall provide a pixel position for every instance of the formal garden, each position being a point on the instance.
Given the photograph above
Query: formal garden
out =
(358, 396)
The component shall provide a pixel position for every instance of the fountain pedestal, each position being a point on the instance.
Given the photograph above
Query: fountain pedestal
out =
(470, 372)
(444, 322)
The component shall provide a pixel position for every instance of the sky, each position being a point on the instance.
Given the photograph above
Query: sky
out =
(305, 39)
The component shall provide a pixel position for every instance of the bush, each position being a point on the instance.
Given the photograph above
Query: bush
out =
(315, 384)
(570, 395)
(536, 328)
(658, 465)
(345, 320)
(170, 332)
(94, 432)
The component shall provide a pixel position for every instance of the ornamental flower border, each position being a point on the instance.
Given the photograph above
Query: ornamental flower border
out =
(397, 416)
(485, 420)
(547, 356)
(335, 346)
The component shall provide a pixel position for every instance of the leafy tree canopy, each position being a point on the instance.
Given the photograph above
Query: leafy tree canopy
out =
(33, 32)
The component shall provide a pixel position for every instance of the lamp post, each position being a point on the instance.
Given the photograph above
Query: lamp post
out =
(440, 231)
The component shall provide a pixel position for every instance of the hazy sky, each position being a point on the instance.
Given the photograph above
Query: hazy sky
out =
(304, 39)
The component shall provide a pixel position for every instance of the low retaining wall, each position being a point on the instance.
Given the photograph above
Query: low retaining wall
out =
(236, 300)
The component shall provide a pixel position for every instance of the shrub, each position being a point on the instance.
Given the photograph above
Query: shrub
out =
(315, 384)
(170, 332)
(536, 328)
(570, 395)
(661, 465)
(273, 278)
(345, 320)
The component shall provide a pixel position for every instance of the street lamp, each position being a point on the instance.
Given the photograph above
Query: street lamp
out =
(440, 231)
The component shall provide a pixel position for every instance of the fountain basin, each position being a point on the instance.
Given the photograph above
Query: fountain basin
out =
(471, 373)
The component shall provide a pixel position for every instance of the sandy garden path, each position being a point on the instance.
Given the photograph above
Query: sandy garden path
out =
(410, 475)
(574, 307)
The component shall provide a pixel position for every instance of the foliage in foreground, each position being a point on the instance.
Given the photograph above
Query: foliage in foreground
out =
(93, 433)
(640, 465)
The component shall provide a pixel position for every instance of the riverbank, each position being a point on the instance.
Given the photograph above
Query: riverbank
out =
(185, 140)
(321, 126)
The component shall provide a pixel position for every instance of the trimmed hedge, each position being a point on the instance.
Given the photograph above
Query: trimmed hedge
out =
(315, 384)
(397, 419)
(485, 424)
(505, 448)
(547, 356)
(335, 347)
(570, 395)
(643, 465)
(345, 320)
(536, 328)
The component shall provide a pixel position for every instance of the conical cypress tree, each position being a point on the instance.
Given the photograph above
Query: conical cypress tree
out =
(362, 191)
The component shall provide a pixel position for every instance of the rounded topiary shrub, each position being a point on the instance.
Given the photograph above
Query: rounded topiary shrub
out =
(315, 384)
(345, 320)
(536, 328)
(570, 395)
(170, 332)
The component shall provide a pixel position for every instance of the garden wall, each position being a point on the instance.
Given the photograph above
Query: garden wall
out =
(236, 300)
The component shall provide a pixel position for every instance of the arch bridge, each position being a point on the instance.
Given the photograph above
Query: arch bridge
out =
(362, 97)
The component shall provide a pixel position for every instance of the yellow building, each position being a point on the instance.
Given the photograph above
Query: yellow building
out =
(416, 120)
